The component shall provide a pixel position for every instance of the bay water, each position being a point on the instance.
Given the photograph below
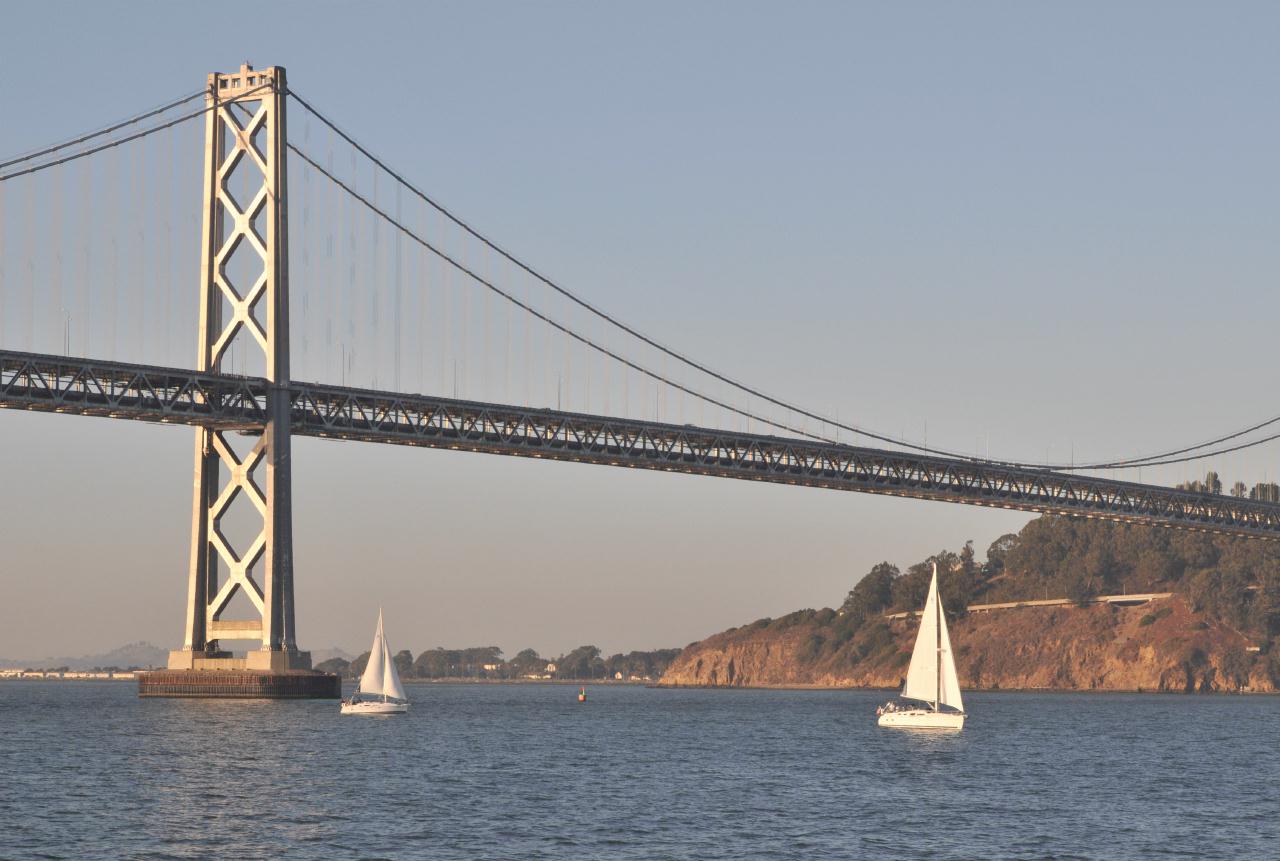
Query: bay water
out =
(89, 771)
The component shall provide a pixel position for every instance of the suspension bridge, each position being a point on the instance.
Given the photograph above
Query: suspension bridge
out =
(383, 283)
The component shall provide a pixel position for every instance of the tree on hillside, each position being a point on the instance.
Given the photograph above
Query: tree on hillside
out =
(404, 662)
(996, 553)
(872, 594)
(640, 664)
(470, 663)
(911, 589)
(526, 663)
(966, 580)
(358, 665)
(582, 663)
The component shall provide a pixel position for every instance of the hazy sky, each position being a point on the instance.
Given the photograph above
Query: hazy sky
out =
(1046, 229)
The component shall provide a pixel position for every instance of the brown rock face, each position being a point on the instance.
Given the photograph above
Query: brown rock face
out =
(1161, 646)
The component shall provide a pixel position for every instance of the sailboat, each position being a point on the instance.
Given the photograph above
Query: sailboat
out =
(931, 678)
(379, 691)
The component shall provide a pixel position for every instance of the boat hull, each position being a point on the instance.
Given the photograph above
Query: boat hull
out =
(923, 719)
(371, 707)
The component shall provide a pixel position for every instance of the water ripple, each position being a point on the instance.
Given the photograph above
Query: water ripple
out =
(91, 772)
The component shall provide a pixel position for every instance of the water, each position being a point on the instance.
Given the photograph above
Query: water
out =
(88, 771)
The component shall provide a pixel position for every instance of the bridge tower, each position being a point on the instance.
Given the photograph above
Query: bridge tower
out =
(244, 311)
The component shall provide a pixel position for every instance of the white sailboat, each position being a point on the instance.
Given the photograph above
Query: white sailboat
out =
(379, 691)
(931, 678)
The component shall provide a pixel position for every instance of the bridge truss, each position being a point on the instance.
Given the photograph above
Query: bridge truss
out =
(232, 403)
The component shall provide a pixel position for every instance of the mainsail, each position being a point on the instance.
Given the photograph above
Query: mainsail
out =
(932, 674)
(380, 677)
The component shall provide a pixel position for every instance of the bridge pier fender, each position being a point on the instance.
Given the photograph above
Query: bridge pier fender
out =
(260, 674)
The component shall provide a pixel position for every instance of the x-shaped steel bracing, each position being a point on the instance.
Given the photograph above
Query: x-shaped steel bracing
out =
(239, 567)
(242, 230)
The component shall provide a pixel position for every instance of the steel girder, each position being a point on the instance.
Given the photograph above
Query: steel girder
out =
(116, 390)
(334, 412)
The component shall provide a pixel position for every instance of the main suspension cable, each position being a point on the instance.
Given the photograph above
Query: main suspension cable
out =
(129, 138)
(99, 133)
(664, 380)
(1124, 463)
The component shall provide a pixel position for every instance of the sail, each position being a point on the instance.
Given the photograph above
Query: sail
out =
(925, 679)
(371, 682)
(391, 687)
(950, 693)
(922, 675)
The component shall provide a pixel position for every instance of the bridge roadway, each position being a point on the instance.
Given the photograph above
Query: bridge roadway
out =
(174, 396)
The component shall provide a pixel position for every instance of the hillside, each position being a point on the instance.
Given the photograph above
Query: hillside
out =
(132, 655)
(1217, 633)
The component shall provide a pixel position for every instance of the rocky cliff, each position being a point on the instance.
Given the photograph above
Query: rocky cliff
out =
(1160, 646)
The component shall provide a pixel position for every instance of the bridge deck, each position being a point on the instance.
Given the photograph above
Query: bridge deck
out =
(176, 396)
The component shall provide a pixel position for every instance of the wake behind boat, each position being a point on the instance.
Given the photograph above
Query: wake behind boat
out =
(931, 676)
(379, 691)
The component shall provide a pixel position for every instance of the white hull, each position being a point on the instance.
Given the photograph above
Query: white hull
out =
(373, 707)
(923, 719)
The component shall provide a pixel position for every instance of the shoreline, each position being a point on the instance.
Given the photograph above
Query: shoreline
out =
(1045, 690)
(125, 677)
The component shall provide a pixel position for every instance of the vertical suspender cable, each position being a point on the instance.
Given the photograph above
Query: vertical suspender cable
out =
(5, 311)
(397, 275)
(114, 218)
(486, 350)
(424, 303)
(446, 316)
(164, 284)
(506, 346)
(527, 356)
(139, 206)
(29, 237)
(307, 228)
(354, 273)
(331, 267)
(56, 240)
(376, 347)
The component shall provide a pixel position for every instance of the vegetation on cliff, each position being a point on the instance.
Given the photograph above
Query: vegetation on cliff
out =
(1219, 632)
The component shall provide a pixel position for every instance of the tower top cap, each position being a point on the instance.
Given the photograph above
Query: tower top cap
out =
(236, 83)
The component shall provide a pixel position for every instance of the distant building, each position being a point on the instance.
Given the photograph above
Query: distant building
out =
(618, 675)
(551, 668)
(492, 668)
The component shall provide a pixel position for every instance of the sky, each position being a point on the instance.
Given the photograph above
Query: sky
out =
(1043, 231)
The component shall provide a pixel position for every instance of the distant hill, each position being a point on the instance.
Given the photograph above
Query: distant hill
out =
(1220, 630)
(132, 655)
(321, 655)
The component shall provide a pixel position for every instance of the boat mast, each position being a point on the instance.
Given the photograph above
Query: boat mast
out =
(937, 606)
